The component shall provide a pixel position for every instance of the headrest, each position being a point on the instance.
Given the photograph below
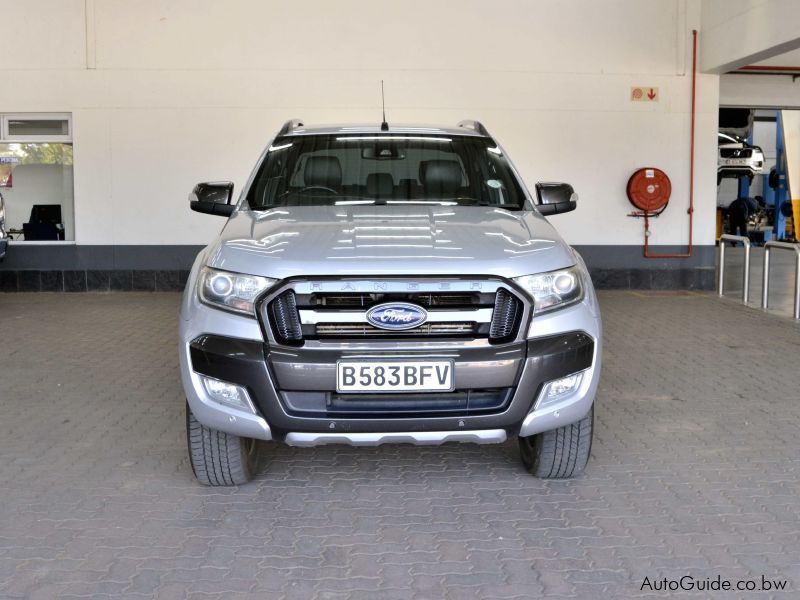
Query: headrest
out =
(380, 184)
(440, 176)
(323, 170)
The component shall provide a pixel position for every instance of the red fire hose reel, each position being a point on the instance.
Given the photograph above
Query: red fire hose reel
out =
(649, 190)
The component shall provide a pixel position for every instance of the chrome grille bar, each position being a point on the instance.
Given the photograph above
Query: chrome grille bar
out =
(474, 315)
(389, 286)
(343, 329)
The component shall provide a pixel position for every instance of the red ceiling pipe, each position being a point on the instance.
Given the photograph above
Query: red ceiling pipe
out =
(688, 252)
(766, 69)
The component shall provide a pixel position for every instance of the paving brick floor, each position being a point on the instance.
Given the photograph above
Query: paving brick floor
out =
(695, 471)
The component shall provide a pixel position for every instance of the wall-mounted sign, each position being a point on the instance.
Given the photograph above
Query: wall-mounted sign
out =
(644, 94)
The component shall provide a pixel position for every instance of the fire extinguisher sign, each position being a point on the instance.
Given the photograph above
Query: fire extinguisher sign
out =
(644, 93)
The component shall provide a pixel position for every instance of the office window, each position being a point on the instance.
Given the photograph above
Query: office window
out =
(35, 127)
(36, 177)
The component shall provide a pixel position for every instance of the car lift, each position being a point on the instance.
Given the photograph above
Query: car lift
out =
(776, 186)
(781, 179)
(744, 182)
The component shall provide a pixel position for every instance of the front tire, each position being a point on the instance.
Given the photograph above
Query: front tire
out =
(219, 458)
(560, 453)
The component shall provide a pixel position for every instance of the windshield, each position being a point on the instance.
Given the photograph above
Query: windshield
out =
(326, 170)
(727, 139)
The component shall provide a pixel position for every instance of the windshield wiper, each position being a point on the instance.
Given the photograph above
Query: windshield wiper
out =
(472, 201)
(360, 201)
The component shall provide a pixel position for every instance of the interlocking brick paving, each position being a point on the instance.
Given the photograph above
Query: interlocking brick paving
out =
(695, 471)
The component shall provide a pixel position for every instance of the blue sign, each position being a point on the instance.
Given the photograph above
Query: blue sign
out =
(397, 315)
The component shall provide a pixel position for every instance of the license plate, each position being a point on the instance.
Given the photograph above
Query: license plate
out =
(394, 376)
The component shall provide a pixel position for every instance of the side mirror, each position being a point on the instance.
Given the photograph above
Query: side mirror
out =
(555, 198)
(213, 198)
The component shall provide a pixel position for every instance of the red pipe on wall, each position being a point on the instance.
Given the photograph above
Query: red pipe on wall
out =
(688, 252)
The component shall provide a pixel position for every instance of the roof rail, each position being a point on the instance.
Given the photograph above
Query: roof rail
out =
(476, 125)
(289, 125)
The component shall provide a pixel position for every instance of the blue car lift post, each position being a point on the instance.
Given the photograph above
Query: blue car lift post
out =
(744, 182)
(779, 227)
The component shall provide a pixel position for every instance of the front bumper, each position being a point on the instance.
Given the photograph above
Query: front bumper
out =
(246, 363)
(733, 168)
(561, 344)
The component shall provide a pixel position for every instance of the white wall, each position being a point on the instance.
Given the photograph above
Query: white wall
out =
(190, 90)
(791, 138)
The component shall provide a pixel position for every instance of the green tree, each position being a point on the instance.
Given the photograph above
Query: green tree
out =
(45, 154)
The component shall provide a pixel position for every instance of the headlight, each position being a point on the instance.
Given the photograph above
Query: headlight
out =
(553, 290)
(231, 291)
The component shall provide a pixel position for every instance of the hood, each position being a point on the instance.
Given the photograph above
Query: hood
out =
(388, 240)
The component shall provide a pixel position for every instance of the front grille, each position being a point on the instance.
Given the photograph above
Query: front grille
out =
(735, 152)
(323, 330)
(335, 405)
(329, 310)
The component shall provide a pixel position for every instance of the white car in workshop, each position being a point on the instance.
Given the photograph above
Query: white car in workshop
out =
(737, 158)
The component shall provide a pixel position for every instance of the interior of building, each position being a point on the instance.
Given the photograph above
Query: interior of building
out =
(381, 186)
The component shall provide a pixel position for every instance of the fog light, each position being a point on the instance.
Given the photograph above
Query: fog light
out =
(563, 386)
(559, 388)
(228, 394)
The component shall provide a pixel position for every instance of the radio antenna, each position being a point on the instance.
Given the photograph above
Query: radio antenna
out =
(384, 124)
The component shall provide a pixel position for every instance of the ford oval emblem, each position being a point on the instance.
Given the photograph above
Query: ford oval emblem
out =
(397, 315)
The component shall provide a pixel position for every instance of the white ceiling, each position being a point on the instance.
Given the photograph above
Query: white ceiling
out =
(787, 59)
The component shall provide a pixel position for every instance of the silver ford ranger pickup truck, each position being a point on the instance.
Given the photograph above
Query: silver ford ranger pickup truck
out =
(386, 284)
